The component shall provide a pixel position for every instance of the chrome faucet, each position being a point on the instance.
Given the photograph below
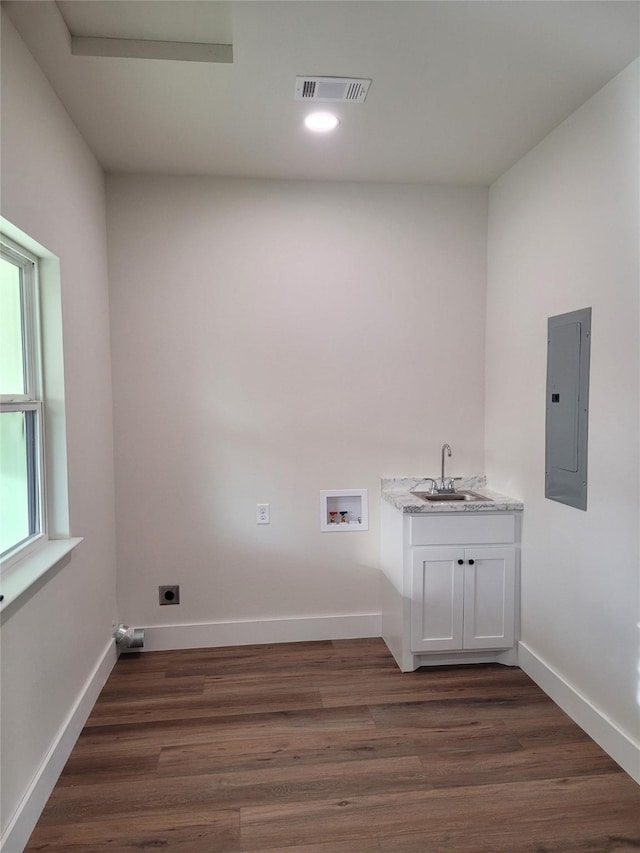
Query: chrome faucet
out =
(434, 483)
(443, 485)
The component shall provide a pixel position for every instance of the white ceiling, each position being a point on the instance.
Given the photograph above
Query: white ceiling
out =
(461, 88)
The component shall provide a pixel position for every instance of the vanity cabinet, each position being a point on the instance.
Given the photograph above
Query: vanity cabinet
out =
(451, 586)
(462, 598)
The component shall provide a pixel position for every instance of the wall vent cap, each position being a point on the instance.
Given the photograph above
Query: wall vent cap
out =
(336, 89)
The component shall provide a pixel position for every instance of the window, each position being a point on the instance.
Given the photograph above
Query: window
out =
(35, 534)
(22, 500)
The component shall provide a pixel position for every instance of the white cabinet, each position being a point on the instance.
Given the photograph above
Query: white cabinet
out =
(462, 598)
(451, 589)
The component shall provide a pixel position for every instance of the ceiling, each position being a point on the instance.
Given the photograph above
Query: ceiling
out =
(461, 88)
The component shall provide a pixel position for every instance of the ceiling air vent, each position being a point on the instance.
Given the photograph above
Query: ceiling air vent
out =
(343, 89)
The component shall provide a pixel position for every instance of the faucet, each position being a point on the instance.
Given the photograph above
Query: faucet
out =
(443, 486)
(434, 483)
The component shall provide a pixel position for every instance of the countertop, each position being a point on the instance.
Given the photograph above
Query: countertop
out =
(397, 492)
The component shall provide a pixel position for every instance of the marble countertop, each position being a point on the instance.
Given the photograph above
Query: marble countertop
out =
(397, 492)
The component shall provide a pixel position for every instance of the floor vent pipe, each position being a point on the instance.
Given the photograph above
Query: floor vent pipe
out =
(129, 638)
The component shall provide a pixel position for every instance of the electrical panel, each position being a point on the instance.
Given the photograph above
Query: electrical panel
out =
(567, 401)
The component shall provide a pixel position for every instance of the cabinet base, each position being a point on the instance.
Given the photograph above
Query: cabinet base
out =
(411, 662)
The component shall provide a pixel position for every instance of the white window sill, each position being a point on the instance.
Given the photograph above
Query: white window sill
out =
(21, 576)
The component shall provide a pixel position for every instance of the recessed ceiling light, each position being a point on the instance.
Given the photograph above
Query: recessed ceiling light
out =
(321, 122)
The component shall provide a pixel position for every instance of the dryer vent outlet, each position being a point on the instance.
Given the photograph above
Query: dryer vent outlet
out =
(129, 638)
(169, 594)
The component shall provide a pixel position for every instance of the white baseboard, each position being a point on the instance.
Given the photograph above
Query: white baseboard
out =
(623, 750)
(21, 825)
(214, 634)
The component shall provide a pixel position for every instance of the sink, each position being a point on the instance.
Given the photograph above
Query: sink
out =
(462, 495)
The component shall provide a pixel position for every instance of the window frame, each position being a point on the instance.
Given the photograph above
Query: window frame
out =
(31, 401)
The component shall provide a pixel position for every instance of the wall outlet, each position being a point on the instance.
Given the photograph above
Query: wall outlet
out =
(169, 594)
(263, 514)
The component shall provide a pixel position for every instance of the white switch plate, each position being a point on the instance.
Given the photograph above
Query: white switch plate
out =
(263, 514)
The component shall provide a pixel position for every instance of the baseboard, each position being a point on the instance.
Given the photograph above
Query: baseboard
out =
(594, 722)
(21, 825)
(213, 634)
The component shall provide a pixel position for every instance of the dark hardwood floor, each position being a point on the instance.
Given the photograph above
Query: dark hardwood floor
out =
(327, 746)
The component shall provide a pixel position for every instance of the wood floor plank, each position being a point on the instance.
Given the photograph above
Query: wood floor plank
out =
(233, 789)
(244, 723)
(116, 766)
(421, 714)
(379, 690)
(471, 737)
(560, 802)
(518, 836)
(149, 685)
(282, 750)
(328, 748)
(185, 707)
(192, 832)
(363, 845)
(552, 727)
(464, 768)
(289, 664)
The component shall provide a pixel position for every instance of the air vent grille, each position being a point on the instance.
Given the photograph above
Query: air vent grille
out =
(341, 89)
(355, 91)
(308, 88)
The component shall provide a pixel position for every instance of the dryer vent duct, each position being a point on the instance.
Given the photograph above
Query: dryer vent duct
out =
(129, 638)
(336, 89)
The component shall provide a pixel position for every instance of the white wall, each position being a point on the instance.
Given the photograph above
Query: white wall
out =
(563, 235)
(271, 339)
(53, 190)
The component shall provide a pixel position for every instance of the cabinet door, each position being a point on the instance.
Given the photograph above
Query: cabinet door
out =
(489, 598)
(437, 597)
